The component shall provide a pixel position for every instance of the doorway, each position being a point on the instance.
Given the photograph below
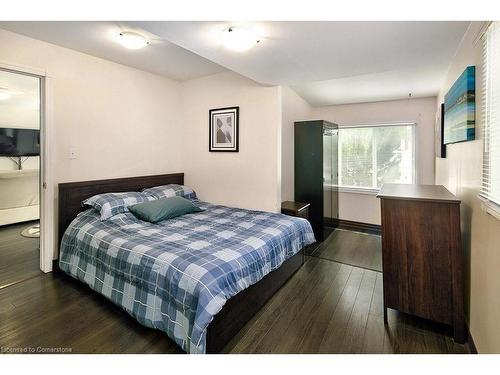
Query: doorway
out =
(21, 127)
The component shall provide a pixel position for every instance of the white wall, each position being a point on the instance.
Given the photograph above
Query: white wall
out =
(121, 121)
(365, 208)
(32, 162)
(249, 178)
(293, 108)
(460, 172)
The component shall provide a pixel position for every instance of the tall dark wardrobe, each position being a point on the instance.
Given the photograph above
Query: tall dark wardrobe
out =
(316, 173)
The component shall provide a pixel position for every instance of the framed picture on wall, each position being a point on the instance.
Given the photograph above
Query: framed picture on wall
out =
(223, 129)
(439, 134)
(460, 108)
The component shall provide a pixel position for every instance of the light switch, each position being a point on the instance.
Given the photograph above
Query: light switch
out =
(72, 153)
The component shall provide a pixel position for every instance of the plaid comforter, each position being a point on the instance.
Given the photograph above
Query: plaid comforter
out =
(177, 275)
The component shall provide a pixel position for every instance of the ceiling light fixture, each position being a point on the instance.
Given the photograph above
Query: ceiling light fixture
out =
(239, 38)
(132, 40)
(5, 93)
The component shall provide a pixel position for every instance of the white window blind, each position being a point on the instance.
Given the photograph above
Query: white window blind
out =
(490, 191)
(371, 155)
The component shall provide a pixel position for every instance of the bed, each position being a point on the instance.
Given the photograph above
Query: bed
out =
(199, 277)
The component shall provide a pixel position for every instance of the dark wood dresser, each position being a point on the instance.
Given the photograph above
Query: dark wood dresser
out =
(422, 254)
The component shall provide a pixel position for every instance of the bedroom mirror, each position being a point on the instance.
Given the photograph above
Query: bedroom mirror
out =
(19, 176)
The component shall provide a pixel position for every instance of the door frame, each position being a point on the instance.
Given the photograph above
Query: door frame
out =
(46, 183)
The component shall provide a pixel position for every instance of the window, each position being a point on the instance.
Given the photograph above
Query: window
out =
(490, 190)
(370, 156)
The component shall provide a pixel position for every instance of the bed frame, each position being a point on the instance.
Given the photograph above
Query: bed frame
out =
(238, 310)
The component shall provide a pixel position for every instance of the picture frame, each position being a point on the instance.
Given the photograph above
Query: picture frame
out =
(460, 108)
(440, 147)
(223, 132)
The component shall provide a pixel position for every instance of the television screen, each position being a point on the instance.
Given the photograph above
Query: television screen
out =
(19, 142)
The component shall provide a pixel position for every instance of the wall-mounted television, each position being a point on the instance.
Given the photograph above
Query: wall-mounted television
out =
(19, 142)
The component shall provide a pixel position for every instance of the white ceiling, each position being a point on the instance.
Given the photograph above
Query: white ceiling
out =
(98, 39)
(333, 62)
(325, 62)
(395, 84)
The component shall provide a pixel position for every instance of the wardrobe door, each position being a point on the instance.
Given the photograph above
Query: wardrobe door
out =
(309, 171)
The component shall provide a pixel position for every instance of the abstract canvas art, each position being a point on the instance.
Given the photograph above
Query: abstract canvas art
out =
(440, 147)
(224, 129)
(460, 108)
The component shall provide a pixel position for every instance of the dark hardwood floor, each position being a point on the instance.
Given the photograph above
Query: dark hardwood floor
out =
(353, 248)
(54, 310)
(19, 256)
(326, 307)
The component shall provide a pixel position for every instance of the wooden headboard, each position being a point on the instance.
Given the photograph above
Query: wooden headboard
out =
(71, 194)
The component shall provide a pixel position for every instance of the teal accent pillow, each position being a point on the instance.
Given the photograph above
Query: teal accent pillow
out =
(163, 209)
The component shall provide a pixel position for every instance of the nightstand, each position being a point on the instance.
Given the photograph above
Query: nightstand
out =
(295, 209)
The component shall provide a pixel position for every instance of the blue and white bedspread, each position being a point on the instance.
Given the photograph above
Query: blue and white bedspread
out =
(178, 274)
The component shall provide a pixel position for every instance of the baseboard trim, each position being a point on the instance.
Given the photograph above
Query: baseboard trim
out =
(330, 222)
(359, 227)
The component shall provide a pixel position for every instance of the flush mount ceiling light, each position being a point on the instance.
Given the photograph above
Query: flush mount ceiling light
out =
(132, 40)
(239, 38)
(6, 93)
